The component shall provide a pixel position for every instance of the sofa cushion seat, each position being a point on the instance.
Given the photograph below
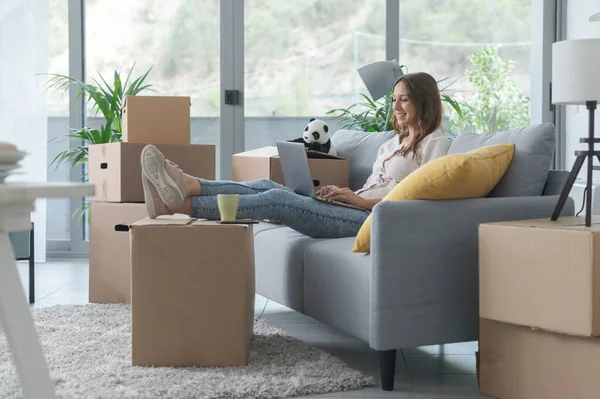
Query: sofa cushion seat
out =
(337, 286)
(279, 263)
(263, 226)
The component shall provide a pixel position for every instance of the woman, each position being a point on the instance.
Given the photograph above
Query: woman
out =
(417, 117)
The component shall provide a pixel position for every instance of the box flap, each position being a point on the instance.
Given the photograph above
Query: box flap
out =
(321, 155)
(166, 220)
(205, 222)
(568, 222)
(182, 220)
(264, 152)
(126, 97)
(271, 152)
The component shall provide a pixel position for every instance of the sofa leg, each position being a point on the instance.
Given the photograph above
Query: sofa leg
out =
(387, 365)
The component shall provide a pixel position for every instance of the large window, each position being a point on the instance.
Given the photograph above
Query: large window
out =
(448, 37)
(300, 61)
(179, 41)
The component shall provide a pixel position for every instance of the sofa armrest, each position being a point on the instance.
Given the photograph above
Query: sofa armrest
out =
(424, 255)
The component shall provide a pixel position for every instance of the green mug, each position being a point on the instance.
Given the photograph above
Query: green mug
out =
(228, 205)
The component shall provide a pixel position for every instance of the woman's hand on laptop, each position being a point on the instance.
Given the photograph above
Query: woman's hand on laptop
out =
(325, 191)
(346, 195)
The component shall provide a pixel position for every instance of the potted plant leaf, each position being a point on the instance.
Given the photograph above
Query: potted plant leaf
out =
(106, 100)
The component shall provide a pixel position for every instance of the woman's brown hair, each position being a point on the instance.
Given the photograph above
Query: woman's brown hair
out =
(422, 90)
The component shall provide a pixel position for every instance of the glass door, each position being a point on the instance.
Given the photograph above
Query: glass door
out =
(58, 217)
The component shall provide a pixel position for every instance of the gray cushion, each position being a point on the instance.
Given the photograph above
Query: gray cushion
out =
(337, 285)
(279, 264)
(361, 148)
(527, 173)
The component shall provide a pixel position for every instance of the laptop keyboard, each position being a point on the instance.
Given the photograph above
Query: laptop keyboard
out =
(327, 200)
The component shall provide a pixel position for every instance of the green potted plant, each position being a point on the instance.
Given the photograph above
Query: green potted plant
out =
(107, 100)
(373, 116)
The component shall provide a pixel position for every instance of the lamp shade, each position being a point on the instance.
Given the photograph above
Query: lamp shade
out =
(379, 77)
(576, 71)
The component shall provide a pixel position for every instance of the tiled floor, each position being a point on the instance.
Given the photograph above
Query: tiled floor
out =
(440, 372)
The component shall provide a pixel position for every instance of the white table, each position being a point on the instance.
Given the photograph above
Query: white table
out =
(16, 203)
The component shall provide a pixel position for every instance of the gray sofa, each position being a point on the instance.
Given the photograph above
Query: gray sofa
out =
(419, 284)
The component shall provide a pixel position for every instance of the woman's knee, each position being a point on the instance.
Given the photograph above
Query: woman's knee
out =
(265, 182)
(275, 194)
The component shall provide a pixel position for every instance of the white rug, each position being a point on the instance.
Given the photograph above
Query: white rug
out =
(88, 350)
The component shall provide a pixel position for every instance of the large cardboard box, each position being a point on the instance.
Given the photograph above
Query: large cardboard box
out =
(541, 273)
(264, 163)
(156, 119)
(110, 271)
(518, 362)
(116, 171)
(192, 292)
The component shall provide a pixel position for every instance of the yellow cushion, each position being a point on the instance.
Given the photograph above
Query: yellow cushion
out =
(470, 175)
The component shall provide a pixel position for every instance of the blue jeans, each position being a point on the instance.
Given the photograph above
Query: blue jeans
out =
(265, 199)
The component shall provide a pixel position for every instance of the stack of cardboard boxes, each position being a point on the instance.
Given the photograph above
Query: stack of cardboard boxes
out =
(539, 309)
(115, 170)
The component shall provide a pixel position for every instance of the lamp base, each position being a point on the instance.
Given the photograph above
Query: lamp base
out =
(569, 185)
(581, 156)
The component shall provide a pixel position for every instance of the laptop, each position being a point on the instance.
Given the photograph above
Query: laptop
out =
(296, 173)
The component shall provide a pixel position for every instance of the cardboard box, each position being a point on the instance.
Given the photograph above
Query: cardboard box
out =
(110, 271)
(264, 163)
(192, 292)
(116, 171)
(518, 362)
(156, 119)
(541, 273)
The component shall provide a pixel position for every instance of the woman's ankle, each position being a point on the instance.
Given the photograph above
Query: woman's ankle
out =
(185, 208)
(192, 184)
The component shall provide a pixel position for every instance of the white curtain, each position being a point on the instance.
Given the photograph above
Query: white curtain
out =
(23, 119)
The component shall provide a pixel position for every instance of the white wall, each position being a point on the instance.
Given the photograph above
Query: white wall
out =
(23, 42)
(579, 27)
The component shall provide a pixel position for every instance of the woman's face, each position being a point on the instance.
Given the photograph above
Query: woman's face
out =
(404, 109)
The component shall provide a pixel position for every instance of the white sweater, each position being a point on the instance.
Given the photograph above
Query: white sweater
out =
(390, 168)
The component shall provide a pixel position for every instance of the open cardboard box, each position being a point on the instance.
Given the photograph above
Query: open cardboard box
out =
(264, 163)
